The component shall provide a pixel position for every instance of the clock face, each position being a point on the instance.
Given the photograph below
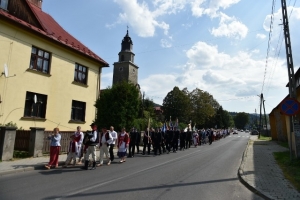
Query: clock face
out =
(120, 68)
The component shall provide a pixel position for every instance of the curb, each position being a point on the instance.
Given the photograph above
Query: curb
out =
(244, 182)
(26, 169)
(39, 166)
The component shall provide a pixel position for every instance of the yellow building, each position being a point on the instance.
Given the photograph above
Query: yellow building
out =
(48, 78)
(280, 123)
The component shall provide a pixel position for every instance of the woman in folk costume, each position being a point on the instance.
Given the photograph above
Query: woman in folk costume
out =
(54, 149)
(72, 151)
(195, 138)
(123, 142)
(79, 139)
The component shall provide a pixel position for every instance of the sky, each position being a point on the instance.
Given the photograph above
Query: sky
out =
(232, 49)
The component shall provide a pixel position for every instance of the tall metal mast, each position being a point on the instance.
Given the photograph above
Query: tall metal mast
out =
(291, 74)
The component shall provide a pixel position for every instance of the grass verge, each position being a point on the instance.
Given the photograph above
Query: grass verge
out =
(265, 138)
(290, 168)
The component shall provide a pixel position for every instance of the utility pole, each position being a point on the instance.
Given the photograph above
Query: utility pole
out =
(143, 104)
(256, 126)
(267, 132)
(291, 75)
(260, 119)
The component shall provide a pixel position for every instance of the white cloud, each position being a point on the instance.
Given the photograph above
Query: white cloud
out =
(230, 27)
(260, 36)
(157, 86)
(222, 75)
(165, 43)
(168, 6)
(141, 18)
(210, 7)
(144, 18)
(294, 18)
(277, 38)
(203, 56)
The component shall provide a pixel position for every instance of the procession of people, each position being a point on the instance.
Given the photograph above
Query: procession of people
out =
(157, 141)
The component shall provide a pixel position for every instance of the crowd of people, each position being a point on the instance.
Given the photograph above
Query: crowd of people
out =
(82, 147)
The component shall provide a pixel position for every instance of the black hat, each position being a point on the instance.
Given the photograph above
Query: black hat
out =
(93, 124)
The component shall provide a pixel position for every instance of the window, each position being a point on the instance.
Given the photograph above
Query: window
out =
(35, 105)
(78, 111)
(3, 4)
(120, 69)
(80, 74)
(40, 60)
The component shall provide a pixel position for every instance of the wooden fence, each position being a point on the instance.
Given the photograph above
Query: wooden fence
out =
(64, 142)
(23, 137)
(22, 140)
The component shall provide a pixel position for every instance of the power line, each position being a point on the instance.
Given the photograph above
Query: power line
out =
(247, 97)
(269, 44)
(276, 55)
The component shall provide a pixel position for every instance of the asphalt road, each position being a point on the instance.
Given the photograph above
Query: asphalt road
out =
(205, 172)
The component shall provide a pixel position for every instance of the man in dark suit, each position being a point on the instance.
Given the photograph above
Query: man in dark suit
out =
(133, 139)
(138, 140)
(182, 139)
(188, 138)
(147, 141)
(169, 139)
(157, 141)
(175, 139)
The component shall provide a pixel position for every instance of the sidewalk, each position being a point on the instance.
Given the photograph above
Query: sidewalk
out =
(28, 164)
(261, 174)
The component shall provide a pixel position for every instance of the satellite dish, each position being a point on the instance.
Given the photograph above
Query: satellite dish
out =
(35, 98)
(5, 70)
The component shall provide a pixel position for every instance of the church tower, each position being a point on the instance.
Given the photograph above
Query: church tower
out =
(125, 69)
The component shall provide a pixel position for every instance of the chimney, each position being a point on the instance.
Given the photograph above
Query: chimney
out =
(37, 3)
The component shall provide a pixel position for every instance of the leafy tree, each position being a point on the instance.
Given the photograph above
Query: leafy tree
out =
(219, 118)
(177, 105)
(203, 107)
(118, 106)
(241, 119)
(227, 120)
(148, 106)
(223, 118)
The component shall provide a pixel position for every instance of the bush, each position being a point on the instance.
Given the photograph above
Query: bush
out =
(21, 154)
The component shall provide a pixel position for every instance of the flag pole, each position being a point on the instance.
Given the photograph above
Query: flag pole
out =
(148, 128)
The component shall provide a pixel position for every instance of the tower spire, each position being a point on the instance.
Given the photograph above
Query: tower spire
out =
(126, 42)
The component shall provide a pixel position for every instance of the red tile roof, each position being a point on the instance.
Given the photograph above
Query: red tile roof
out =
(54, 31)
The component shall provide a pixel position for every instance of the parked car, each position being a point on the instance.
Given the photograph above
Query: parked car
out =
(254, 132)
(235, 132)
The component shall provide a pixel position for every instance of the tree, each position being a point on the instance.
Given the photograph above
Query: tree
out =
(177, 105)
(241, 119)
(223, 118)
(203, 107)
(118, 106)
(227, 120)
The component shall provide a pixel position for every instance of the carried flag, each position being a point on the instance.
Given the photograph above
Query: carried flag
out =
(176, 123)
(164, 128)
(148, 129)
